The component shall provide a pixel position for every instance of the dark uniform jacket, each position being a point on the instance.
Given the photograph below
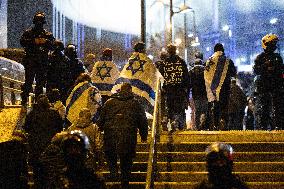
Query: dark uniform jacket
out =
(34, 50)
(233, 183)
(76, 68)
(80, 179)
(120, 118)
(197, 82)
(237, 100)
(42, 124)
(58, 73)
(269, 66)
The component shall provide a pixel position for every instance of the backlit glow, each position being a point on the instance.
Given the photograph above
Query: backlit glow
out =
(273, 21)
(121, 16)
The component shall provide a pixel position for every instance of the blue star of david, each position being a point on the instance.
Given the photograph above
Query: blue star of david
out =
(101, 74)
(139, 62)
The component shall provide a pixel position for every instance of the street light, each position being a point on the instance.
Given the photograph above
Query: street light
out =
(182, 9)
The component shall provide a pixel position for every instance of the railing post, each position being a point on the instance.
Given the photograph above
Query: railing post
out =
(1, 93)
(13, 96)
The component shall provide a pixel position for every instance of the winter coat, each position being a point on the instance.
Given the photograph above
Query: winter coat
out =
(42, 124)
(120, 118)
(58, 72)
(233, 183)
(197, 82)
(33, 50)
(81, 179)
(269, 67)
(52, 162)
(175, 72)
(237, 100)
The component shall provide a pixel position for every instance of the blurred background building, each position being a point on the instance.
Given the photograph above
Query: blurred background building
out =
(93, 25)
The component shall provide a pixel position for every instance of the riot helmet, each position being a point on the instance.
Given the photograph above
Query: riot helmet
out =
(107, 54)
(171, 49)
(39, 18)
(75, 147)
(58, 45)
(269, 42)
(219, 161)
(139, 47)
(71, 51)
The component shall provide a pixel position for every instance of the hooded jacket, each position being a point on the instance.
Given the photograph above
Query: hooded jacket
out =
(120, 118)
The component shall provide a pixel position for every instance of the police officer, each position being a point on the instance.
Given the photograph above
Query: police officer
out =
(176, 87)
(268, 69)
(219, 163)
(76, 66)
(58, 69)
(75, 147)
(37, 42)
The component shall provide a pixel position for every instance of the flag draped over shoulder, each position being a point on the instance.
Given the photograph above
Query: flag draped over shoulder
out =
(104, 75)
(84, 95)
(215, 74)
(142, 74)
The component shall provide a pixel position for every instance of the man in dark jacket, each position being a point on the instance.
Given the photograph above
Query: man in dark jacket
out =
(13, 162)
(176, 87)
(269, 70)
(198, 90)
(76, 175)
(41, 124)
(236, 107)
(76, 65)
(37, 42)
(120, 118)
(58, 71)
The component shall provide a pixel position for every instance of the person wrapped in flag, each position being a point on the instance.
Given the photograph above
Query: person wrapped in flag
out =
(104, 74)
(218, 72)
(83, 95)
(142, 74)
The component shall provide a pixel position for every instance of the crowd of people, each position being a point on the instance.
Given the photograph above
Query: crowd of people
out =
(82, 121)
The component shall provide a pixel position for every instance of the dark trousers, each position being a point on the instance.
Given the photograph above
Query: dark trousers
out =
(268, 113)
(126, 161)
(235, 121)
(176, 103)
(34, 69)
(201, 108)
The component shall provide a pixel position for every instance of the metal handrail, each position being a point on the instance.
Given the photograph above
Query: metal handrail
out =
(155, 130)
(12, 89)
(2, 87)
(10, 79)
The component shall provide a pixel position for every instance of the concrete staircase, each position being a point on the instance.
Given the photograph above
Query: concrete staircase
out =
(258, 157)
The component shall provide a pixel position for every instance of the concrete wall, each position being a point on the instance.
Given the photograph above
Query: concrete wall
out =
(20, 15)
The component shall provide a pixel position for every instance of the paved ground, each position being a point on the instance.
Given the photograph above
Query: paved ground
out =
(9, 120)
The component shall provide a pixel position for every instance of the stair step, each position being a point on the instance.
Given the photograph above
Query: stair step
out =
(222, 136)
(201, 166)
(197, 176)
(201, 146)
(201, 156)
(192, 185)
